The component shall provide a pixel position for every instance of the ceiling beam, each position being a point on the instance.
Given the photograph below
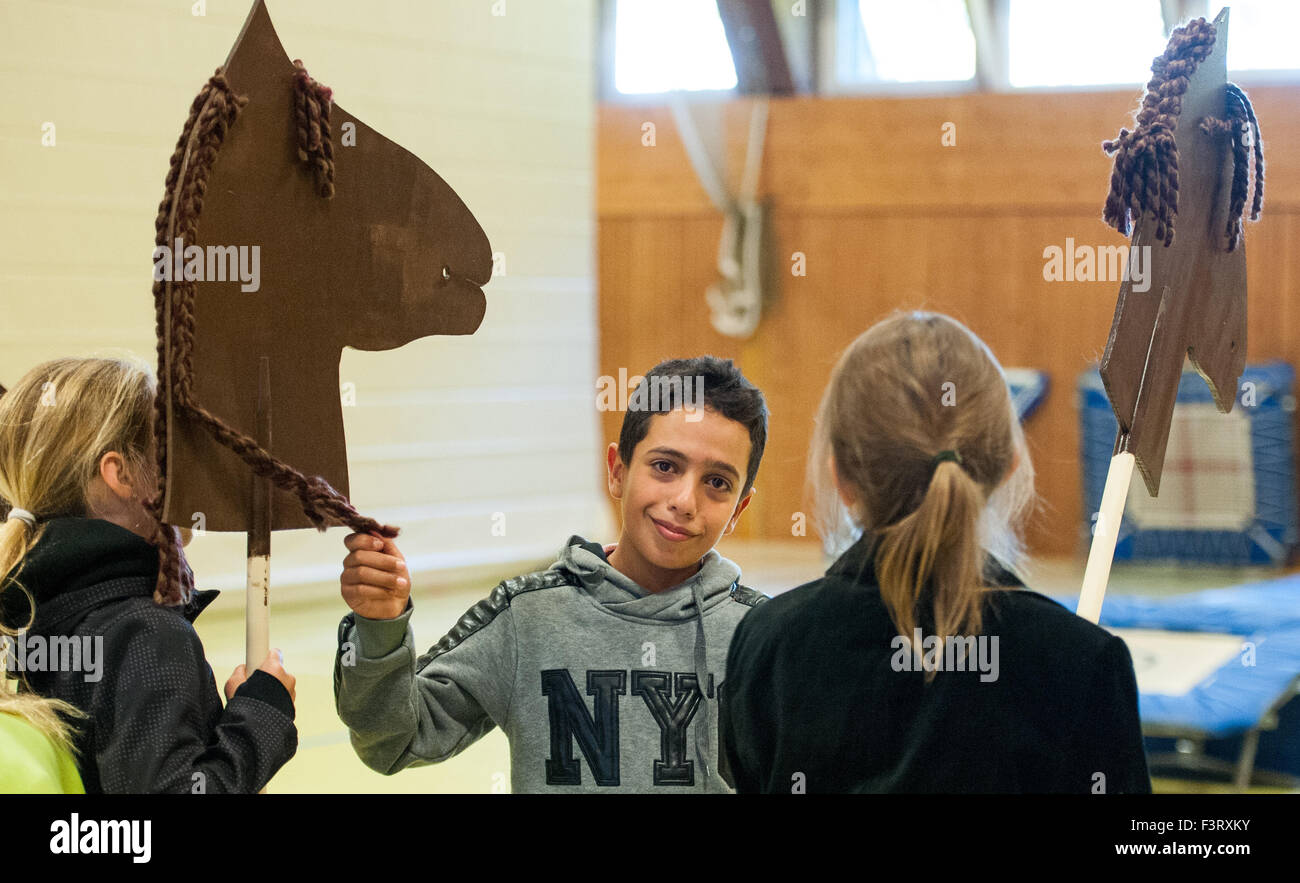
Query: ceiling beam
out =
(762, 67)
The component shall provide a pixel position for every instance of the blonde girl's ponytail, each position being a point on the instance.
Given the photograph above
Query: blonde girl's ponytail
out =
(50, 717)
(930, 559)
(19, 531)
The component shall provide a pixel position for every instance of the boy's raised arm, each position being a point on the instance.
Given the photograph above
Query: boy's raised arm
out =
(401, 712)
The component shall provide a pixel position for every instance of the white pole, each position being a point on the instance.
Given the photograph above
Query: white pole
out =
(257, 610)
(257, 615)
(257, 597)
(1105, 535)
(257, 628)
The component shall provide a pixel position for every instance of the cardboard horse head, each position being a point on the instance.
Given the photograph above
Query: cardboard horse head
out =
(1185, 161)
(342, 238)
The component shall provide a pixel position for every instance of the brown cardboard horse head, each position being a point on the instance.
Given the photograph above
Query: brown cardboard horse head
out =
(302, 231)
(1187, 161)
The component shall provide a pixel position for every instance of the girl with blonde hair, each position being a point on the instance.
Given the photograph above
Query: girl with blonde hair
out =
(920, 662)
(107, 669)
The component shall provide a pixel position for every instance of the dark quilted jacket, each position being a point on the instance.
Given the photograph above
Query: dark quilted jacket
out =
(156, 723)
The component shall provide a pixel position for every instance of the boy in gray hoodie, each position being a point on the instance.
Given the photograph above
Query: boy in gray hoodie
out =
(604, 669)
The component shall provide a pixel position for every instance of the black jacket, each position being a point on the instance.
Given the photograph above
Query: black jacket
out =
(156, 721)
(815, 701)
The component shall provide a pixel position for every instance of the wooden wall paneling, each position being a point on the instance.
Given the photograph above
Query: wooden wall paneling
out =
(802, 334)
(1267, 260)
(1018, 152)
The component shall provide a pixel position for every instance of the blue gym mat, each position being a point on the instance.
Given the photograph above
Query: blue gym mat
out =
(1236, 696)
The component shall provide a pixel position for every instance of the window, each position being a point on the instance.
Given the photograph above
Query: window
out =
(655, 46)
(1262, 35)
(884, 41)
(1101, 42)
(662, 45)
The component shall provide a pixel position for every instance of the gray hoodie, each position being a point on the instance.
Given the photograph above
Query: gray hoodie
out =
(595, 681)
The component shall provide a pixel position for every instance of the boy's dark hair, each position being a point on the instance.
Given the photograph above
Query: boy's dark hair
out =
(726, 392)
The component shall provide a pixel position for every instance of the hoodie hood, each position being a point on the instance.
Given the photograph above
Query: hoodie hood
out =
(690, 600)
(618, 594)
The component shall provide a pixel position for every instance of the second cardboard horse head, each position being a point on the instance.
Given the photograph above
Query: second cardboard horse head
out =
(1185, 162)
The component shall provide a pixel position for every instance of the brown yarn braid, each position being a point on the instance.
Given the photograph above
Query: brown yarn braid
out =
(1144, 178)
(173, 586)
(311, 107)
(1258, 204)
(1240, 118)
(212, 114)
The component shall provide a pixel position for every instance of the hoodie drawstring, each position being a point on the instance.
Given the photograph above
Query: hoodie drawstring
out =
(704, 722)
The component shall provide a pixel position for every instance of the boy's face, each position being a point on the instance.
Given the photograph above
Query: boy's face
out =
(681, 492)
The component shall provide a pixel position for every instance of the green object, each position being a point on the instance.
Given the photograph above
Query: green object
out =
(31, 764)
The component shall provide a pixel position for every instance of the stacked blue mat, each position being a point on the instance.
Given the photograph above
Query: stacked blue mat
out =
(1273, 532)
(1028, 388)
(1236, 696)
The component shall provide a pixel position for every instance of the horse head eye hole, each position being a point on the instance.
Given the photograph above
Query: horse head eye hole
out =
(446, 274)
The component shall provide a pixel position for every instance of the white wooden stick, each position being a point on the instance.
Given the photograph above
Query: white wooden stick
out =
(1105, 534)
(257, 601)
(257, 597)
(257, 612)
(257, 615)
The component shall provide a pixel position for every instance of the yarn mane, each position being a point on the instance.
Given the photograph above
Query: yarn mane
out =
(1144, 178)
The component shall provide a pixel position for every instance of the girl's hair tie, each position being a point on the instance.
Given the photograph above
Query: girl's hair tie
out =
(27, 518)
(943, 456)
